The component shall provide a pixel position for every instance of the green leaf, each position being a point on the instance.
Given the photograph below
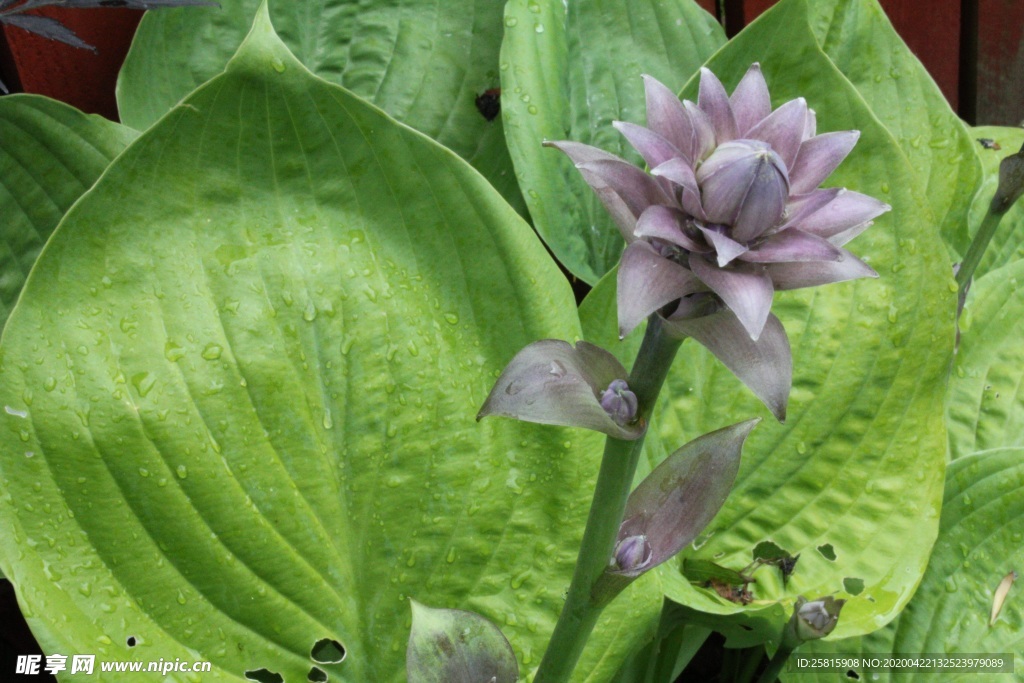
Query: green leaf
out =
(568, 71)
(979, 545)
(51, 154)
(423, 62)
(858, 464)
(859, 39)
(455, 646)
(985, 404)
(240, 390)
(1007, 244)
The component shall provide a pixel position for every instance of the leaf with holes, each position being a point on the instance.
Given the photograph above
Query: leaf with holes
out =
(425, 63)
(51, 154)
(856, 470)
(240, 390)
(859, 39)
(569, 70)
(968, 601)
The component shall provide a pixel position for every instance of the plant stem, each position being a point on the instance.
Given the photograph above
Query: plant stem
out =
(789, 643)
(975, 251)
(614, 481)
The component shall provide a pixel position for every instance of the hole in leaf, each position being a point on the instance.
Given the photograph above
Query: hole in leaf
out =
(828, 552)
(317, 675)
(852, 674)
(264, 676)
(853, 586)
(768, 551)
(131, 642)
(327, 651)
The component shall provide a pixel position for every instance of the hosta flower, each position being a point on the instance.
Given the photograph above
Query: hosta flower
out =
(729, 212)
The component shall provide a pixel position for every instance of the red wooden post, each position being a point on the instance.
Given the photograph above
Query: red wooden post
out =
(79, 77)
(1000, 85)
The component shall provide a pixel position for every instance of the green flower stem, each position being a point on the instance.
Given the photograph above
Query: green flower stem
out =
(976, 250)
(614, 481)
(790, 642)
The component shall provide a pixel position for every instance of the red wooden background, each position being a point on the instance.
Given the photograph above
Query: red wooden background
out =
(972, 48)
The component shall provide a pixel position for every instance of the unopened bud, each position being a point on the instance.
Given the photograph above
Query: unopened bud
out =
(619, 402)
(632, 554)
(815, 619)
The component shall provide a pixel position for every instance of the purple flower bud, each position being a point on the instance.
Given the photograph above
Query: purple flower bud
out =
(619, 402)
(632, 555)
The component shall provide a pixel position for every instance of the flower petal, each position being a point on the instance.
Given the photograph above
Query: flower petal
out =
(646, 282)
(711, 98)
(846, 210)
(620, 184)
(666, 224)
(616, 206)
(818, 157)
(680, 172)
(801, 206)
(792, 245)
(783, 129)
(681, 496)
(551, 382)
(654, 148)
(814, 273)
(691, 134)
(747, 292)
(726, 249)
(750, 100)
(765, 365)
(456, 646)
(744, 185)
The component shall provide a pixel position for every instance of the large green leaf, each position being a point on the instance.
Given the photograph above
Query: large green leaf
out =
(860, 41)
(858, 464)
(568, 69)
(985, 405)
(424, 62)
(979, 545)
(1007, 244)
(51, 154)
(239, 392)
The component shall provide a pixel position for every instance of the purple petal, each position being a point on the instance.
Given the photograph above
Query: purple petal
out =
(551, 382)
(818, 157)
(765, 365)
(726, 249)
(750, 100)
(712, 99)
(665, 223)
(801, 206)
(747, 292)
(811, 124)
(783, 130)
(744, 185)
(793, 245)
(812, 274)
(654, 148)
(680, 172)
(703, 132)
(846, 210)
(646, 282)
(691, 134)
(679, 498)
(624, 189)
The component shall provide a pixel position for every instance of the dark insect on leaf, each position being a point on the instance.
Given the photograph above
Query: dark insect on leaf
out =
(989, 143)
(489, 103)
(738, 594)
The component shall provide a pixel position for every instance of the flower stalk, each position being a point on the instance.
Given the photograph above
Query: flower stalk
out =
(614, 480)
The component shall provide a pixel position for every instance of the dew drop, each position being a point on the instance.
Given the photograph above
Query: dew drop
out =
(173, 352)
(450, 557)
(278, 65)
(539, 28)
(212, 351)
(309, 314)
(327, 422)
(50, 384)
(511, 21)
(451, 318)
(181, 598)
(182, 472)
